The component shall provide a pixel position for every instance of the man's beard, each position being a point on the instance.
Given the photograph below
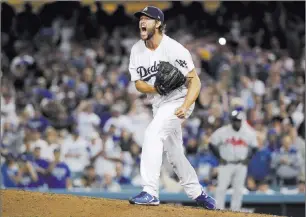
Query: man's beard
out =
(236, 127)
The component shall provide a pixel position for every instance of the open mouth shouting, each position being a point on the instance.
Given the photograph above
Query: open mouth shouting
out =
(143, 31)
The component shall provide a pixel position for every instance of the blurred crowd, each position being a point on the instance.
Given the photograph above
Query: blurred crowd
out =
(70, 118)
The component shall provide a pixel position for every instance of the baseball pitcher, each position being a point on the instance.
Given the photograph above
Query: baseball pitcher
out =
(233, 145)
(163, 69)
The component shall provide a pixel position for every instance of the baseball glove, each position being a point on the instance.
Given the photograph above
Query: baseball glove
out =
(168, 78)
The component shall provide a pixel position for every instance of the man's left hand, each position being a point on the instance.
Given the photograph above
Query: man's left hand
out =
(181, 112)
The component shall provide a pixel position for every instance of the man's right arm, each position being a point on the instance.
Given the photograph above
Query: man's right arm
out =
(140, 85)
(143, 87)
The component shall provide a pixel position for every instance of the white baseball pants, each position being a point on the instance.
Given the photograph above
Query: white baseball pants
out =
(234, 174)
(164, 133)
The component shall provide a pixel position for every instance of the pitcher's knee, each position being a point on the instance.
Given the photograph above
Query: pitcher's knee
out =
(153, 134)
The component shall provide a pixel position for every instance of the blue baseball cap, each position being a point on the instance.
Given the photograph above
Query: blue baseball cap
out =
(152, 12)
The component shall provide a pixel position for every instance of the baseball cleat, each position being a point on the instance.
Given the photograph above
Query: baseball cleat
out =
(206, 201)
(145, 199)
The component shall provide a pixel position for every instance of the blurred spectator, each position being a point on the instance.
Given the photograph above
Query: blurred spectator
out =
(191, 150)
(58, 173)
(301, 186)
(246, 93)
(97, 152)
(118, 120)
(26, 148)
(75, 153)
(86, 119)
(119, 177)
(37, 141)
(299, 189)
(53, 143)
(90, 179)
(10, 137)
(41, 166)
(207, 165)
(136, 153)
(140, 117)
(126, 140)
(259, 166)
(10, 172)
(22, 66)
(38, 122)
(272, 142)
(56, 114)
(288, 128)
(111, 153)
(263, 188)
(109, 184)
(8, 106)
(286, 162)
(27, 175)
(41, 92)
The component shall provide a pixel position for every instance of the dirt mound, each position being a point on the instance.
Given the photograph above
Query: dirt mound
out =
(29, 204)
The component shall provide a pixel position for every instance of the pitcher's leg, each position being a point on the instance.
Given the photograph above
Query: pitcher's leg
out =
(238, 186)
(151, 159)
(173, 147)
(150, 163)
(224, 180)
(152, 150)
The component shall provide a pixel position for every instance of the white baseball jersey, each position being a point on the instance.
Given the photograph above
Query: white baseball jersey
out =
(234, 145)
(144, 65)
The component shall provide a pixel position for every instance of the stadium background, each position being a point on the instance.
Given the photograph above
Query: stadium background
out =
(65, 87)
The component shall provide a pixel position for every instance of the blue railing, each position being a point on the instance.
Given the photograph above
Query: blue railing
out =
(251, 198)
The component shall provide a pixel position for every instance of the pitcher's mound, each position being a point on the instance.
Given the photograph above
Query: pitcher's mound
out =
(35, 204)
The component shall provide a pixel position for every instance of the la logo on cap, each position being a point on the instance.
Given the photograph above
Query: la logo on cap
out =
(145, 9)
